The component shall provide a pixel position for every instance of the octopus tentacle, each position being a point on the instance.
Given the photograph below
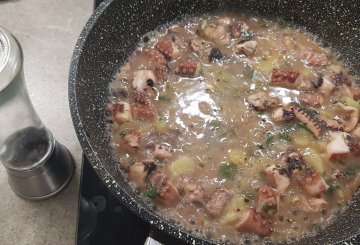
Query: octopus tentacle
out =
(286, 79)
(332, 123)
(168, 48)
(348, 120)
(282, 114)
(305, 118)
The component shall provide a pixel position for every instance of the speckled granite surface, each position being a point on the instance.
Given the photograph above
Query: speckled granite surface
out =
(47, 31)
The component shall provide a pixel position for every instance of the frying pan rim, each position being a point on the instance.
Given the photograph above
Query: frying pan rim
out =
(97, 164)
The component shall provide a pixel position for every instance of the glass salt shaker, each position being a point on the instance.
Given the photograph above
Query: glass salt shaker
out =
(37, 165)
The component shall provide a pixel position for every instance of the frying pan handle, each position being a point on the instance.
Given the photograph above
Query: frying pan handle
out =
(151, 241)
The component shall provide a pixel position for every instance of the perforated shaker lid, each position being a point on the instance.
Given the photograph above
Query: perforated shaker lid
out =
(10, 58)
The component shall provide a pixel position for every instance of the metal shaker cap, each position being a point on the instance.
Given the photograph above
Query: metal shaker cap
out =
(11, 58)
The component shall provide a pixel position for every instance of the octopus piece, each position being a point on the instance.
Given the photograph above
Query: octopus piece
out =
(168, 195)
(139, 111)
(194, 192)
(311, 98)
(188, 69)
(347, 122)
(350, 116)
(162, 151)
(217, 202)
(267, 200)
(141, 106)
(316, 59)
(282, 114)
(120, 112)
(214, 32)
(215, 54)
(341, 79)
(161, 73)
(338, 147)
(154, 56)
(254, 223)
(313, 183)
(220, 35)
(143, 80)
(168, 48)
(279, 181)
(238, 28)
(324, 86)
(310, 205)
(262, 101)
(293, 162)
(246, 48)
(286, 79)
(139, 98)
(131, 142)
(179, 41)
(332, 124)
(310, 123)
(199, 46)
(139, 171)
(133, 138)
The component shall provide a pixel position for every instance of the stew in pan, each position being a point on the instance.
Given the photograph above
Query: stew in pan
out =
(238, 126)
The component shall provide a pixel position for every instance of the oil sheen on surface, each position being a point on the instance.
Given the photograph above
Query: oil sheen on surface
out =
(238, 127)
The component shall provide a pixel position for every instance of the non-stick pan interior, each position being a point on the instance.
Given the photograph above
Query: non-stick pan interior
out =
(108, 39)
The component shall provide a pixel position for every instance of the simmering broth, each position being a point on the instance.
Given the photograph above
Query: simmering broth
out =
(238, 127)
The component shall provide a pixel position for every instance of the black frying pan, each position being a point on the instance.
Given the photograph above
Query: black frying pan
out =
(109, 38)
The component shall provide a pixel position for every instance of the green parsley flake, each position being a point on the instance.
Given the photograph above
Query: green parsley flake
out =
(151, 193)
(228, 171)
